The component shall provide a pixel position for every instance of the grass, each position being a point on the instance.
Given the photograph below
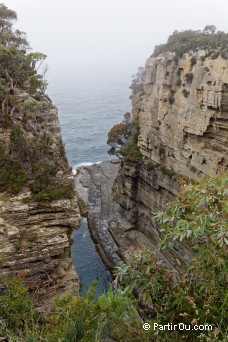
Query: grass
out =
(53, 193)
(150, 166)
(169, 172)
(32, 163)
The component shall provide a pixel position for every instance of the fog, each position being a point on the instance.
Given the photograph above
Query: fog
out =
(109, 33)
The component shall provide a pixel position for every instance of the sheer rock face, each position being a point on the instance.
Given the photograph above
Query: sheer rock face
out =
(111, 230)
(35, 244)
(35, 238)
(183, 116)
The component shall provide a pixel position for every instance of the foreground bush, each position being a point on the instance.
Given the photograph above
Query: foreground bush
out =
(149, 290)
(111, 317)
(198, 216)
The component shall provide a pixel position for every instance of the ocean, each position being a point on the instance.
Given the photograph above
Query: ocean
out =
(89, 101)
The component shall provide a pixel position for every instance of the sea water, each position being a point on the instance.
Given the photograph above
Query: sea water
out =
(89, 101)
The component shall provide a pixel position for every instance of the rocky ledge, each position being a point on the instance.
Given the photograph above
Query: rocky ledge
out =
(112, 233)
(38, 208)
(35, 244)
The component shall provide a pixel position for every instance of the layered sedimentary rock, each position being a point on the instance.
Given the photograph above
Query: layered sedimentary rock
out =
(182, 109)
(112, 233)
(35, 244)
(183, 113)
(35, 236)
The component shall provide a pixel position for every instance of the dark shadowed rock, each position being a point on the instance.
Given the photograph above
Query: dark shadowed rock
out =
(113, 234)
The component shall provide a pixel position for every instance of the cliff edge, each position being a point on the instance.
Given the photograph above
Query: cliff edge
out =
(38, 208)
(181, 105)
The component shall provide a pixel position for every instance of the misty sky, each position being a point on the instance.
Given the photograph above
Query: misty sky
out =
(111, 33)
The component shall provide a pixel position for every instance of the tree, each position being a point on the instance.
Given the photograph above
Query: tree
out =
(9, 36)
(198, 295)
(15, 66)
(210, 29)
(198, 213)
(7, 18)
(36, 60)
(123, 139)
(119, 135)
(18, 68)
(184, 41)
(37, 81)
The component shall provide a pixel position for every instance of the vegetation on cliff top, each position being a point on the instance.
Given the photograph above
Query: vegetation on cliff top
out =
(123, 138)
(29, 156)
(18, 67)
(198, 216)
(197, 297)
(181, 42)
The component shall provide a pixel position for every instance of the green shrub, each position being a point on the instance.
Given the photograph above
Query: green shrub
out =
(185, 93)
(32, 238)
(193, 61)
(32, 163)
(3, 92)
(42, 177)
(215, 55)
(207, 199)
(171, 100)
(169, 172)
(54, 192)
(12, 176)
(189, 40)
(123, 139)
(36, 84)
(179, 71)
(150, 166)
(17, 179)
(148, 276)
(16, 307)
(198, 295)
(78, 319)
(161, 151)
(224, 54)
(30, 104)
(178, 82)
(189, 77)
(136, 87)
(130, 151)
(193, 168)
(18, 246)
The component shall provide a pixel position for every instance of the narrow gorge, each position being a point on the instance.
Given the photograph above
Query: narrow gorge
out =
(181, 105)
(109, 250)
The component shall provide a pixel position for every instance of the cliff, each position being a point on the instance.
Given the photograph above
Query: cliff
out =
(181, 104)
(183, 113)
(38, 209)
(113, 234)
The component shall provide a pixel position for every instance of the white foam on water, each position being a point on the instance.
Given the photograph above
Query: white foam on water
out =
(75, 167)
